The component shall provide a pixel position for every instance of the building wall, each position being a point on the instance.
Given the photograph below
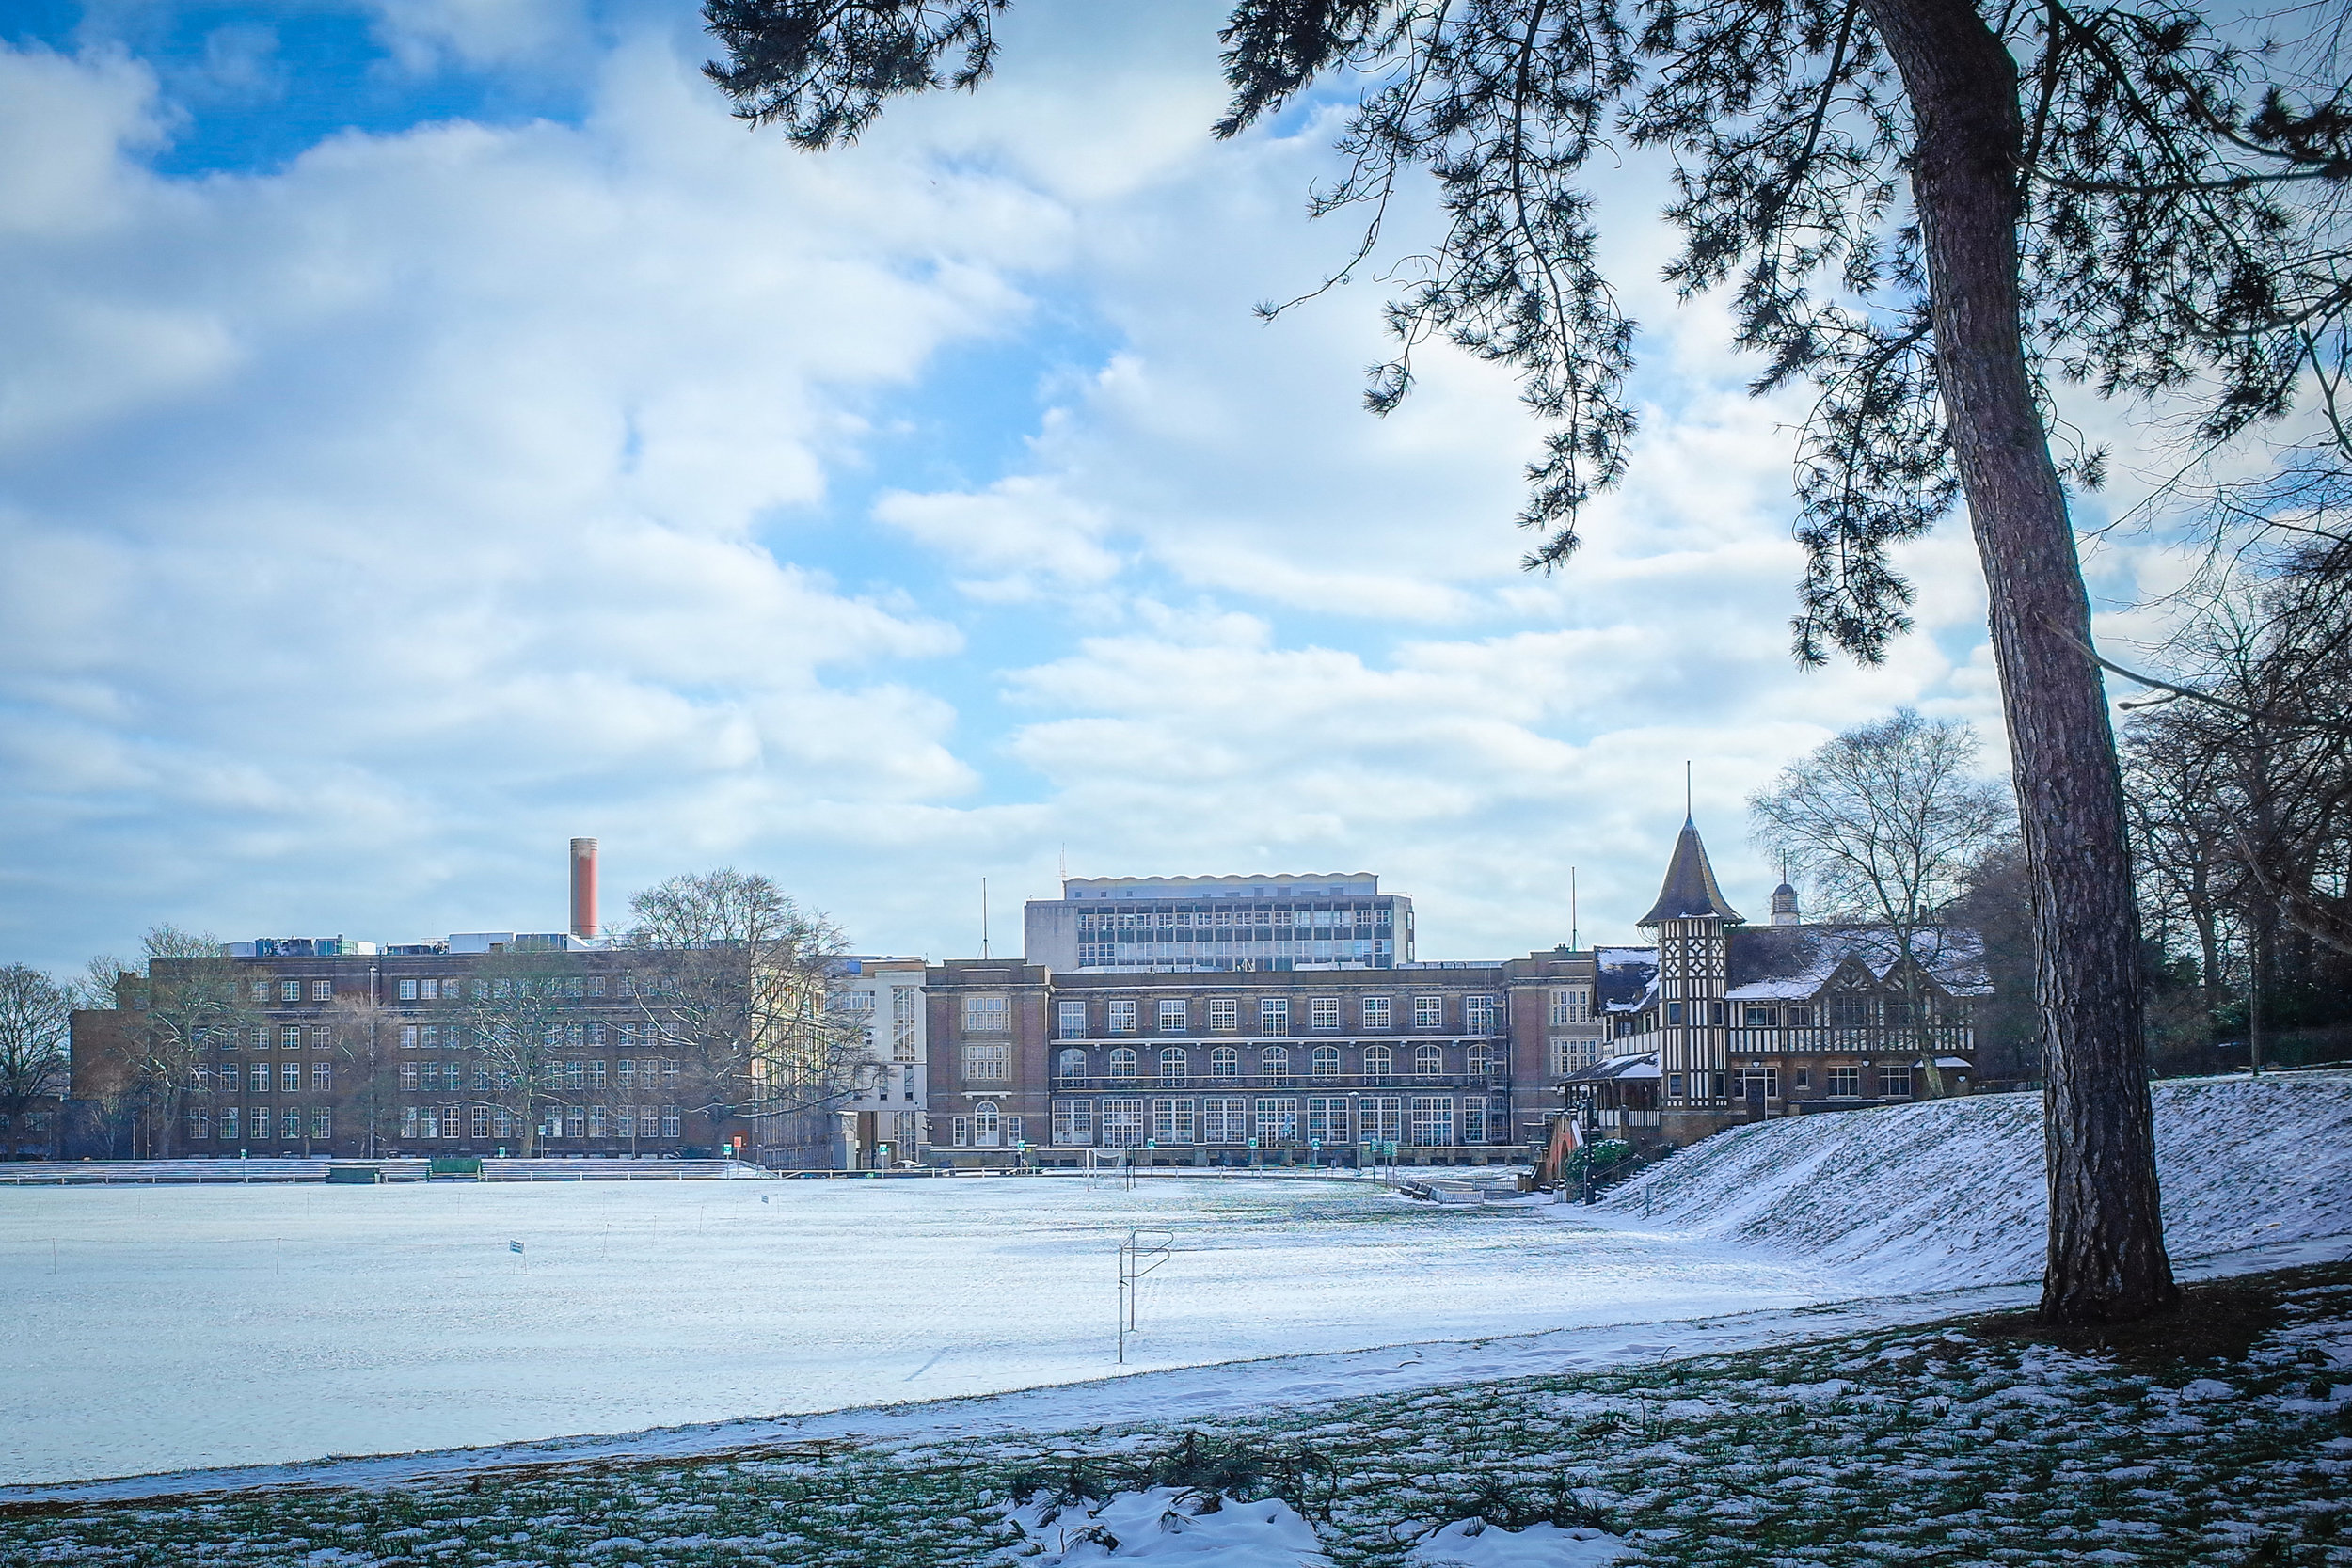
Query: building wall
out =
(1490, 1027)
(358, 1054)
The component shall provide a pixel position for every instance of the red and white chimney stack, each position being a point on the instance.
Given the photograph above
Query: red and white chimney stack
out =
(583, 887)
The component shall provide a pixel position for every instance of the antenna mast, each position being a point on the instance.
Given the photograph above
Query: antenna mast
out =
(1572, 908)
(983, 917)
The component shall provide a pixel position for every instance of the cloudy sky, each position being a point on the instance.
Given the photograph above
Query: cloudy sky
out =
(430, 429)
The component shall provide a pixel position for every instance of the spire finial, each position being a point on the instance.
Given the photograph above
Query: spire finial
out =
(1685, 792)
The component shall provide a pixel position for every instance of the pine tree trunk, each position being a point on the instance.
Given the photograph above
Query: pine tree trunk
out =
(2106, 1256)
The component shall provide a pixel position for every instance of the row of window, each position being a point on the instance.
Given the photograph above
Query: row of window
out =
(1837, 1083)
(555, 1121)
(1837, 1012)
(291, 1037)
(589, 1074)
(35, 1121)
(1174, 1063)
(1238, 921)
(289, 1078)
(1283, 1121)
(239, 1122)
(1223, 1015)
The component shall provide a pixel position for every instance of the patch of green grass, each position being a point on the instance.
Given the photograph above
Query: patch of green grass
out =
(2212, 1436)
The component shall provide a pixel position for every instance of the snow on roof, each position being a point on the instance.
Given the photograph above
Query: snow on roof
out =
(1770, 963)
(1618, 1068)
(1623, 975)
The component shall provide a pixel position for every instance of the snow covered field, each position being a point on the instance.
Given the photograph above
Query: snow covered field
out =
(1950, 1193)
(165, 1329)
(171, 1329)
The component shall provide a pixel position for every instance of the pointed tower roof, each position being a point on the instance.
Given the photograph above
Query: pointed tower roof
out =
(1689, 891)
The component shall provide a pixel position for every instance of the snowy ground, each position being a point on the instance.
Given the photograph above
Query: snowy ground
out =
(1951, 1193)
(289, 1323)
(168, 1329)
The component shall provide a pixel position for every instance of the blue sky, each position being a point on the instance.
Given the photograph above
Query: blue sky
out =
(430, 429)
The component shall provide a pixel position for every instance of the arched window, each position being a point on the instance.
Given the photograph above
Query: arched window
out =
(985, 1124)
(1175, 1065)
(1122, 1063)
(1073, 1065)
(1376, 1061)
(1225, 1062)
(1486, 1062)
(1327, 1061)
(1429, 1061)
(1274, 1063)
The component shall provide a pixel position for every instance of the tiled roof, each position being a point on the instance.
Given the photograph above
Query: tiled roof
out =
(1690, 890)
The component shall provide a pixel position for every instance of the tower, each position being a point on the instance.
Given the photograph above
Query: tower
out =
(1689, 916)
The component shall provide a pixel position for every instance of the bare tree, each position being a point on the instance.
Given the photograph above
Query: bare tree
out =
(190, 997)
(519, 1011)
(734, 975)
(361, 1033)
(34, 1013)
(1885, 825)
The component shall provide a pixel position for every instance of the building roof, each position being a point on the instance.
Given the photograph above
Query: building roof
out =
(1617, 1070)
(1622, 976)
(1770, 963)
(1689, 891)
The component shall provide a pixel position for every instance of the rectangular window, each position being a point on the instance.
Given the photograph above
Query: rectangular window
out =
(1278, 1122)
(407, 1036)
(322, 991)
(260, 1078)
(1805, 1078)
(322, 1124)
(1224, 1120)
(1800, 1017)
(962, 1126)
(989, 1064)
(1478, 1015)
(1474, 1118)
(624, 1070)
(1274, 1015)
(1674, 1086)
(670, 1121)
(1433, 1120)
(1895, 1081)
(1384, 1117)
(290, 990)
(290, 1077)
(1224, 1014)
(408, 990)
(1123, 1123)
(595, 1074)
(575, 1121)
(1849, 1012)
(1174, 1015)
(204, 1085)
(1073, 1121)
(408, 1121)
(1122, 1018)
(575, 1075)
(1674, 1012)
(291, 1039)
(1376, 1012)
(1323, 1012)
(1326, 1119)
(596, 1122)
(482, 1121)
(199, 1123)
(1013, 1134)
(1069, 1020)
(1173, 1120)
(984, 1015)
(430, 990)
(1428, 1012)
(228, 1121)
(1843, 1081)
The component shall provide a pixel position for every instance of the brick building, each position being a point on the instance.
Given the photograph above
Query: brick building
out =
(1219, 1067)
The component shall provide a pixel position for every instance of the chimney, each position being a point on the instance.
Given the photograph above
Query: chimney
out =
(583, 887)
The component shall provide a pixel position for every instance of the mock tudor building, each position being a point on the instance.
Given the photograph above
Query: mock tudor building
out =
(1720, 1024)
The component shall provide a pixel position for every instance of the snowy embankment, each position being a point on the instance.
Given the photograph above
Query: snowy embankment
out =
(1950, 1193)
